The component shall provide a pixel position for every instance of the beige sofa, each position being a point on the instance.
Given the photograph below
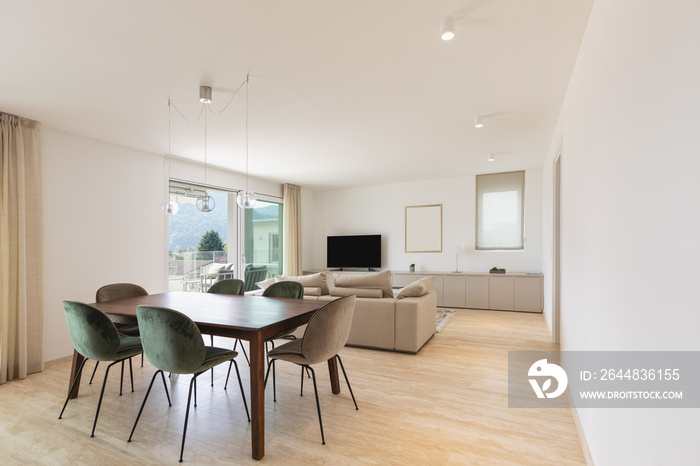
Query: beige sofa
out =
(380, 320)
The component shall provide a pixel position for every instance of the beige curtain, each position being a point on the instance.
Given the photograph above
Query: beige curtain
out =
(21, 249)
(292, 230)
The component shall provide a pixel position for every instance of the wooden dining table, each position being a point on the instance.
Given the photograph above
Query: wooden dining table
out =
(251, 318)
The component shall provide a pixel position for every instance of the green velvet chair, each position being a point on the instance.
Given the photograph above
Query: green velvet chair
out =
(325, 335)
(292, 290)
(231, 286)
(173, 343)
(120, 291)
(95, 337)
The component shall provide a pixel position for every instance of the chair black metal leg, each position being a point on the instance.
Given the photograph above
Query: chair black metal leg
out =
(212, 369)
(72, 386)
(97, 363)
(141, 359)
(195, 393)
(347, 381)
(131, 374)
(271, 365)
(148, 392)
(240, 384)
(187, 413)
(274, 382)
(301, 392)
(229, 370)
(245, 354)
(102, 392)
(307, 372)
(162, 376)
(318, 405)
(121, 380)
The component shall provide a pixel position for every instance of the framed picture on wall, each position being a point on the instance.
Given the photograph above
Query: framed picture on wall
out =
(424, 228)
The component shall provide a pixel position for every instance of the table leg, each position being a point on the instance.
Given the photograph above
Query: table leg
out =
(257, 396)
(77, 361)
(333, 373)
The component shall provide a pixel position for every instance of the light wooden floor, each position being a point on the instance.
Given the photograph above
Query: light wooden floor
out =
(446, 405)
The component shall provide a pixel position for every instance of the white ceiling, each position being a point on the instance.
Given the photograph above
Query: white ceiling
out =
(342, 93)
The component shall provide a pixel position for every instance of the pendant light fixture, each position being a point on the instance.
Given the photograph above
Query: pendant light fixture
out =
(205, 202)
(246, 199)
(169, 207)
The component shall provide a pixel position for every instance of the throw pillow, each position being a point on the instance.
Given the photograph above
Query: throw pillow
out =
(378, 280)
(312, 291)
(265, 283)
(417, 288)
(317, 279)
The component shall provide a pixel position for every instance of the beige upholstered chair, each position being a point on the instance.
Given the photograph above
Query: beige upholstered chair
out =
(325, 335)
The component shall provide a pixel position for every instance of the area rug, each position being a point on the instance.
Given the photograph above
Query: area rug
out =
(443, 316)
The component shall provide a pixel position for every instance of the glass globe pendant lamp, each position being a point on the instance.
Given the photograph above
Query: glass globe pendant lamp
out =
(206, 203)
(169, 207)
(246, 199)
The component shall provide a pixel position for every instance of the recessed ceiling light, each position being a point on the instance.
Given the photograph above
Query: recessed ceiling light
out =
(492, 157)
(478, 121)
(447, 28)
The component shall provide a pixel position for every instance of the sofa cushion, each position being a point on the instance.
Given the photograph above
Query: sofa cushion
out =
(265, 283)
(313, 291)
(359, 292)
(317, 279)
(377, 280)
(417, 288)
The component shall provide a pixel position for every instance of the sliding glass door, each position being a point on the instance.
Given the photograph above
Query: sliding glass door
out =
(205, 247)
(262, 242)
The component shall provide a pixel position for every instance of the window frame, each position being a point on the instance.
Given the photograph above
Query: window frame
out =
(480, 180)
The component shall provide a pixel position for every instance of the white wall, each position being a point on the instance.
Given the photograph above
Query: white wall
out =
(629, 132)
(103, 222)
(381, 210)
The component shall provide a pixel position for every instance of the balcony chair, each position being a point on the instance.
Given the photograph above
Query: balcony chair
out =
(253, 275)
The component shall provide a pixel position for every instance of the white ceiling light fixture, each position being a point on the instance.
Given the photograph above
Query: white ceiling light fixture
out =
(447, 28)
(492, 157)
(169, 207)
(478, 121)
(205, 94)
(246, 199)
(205, 203)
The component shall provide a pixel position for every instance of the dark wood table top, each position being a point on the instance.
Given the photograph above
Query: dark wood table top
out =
(225, 315)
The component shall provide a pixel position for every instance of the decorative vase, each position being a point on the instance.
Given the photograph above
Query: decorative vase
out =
(411, 269)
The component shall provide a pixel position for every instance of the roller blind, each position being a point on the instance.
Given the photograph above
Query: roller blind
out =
(500, 210)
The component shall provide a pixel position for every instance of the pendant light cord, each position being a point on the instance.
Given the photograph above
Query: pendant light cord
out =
(246, 132)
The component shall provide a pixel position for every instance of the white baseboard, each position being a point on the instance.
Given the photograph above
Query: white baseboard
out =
(582, 438)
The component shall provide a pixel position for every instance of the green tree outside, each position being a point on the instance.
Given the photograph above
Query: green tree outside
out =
(211, 241)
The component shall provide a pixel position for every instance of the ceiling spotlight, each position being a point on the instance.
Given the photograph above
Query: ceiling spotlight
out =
(447, 28)
(205, 94)
(478, 121)
(492, 157)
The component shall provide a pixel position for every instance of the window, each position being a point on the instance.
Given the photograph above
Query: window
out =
(500, 210)
(200, 243)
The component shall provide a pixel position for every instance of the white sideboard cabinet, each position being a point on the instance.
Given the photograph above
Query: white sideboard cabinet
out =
(502, 292)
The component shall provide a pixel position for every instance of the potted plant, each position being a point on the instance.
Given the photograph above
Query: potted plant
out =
(412, 268)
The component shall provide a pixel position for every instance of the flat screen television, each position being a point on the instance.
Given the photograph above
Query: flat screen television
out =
(354, 251)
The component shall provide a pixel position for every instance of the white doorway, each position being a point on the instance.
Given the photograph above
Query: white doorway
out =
(556, 276)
